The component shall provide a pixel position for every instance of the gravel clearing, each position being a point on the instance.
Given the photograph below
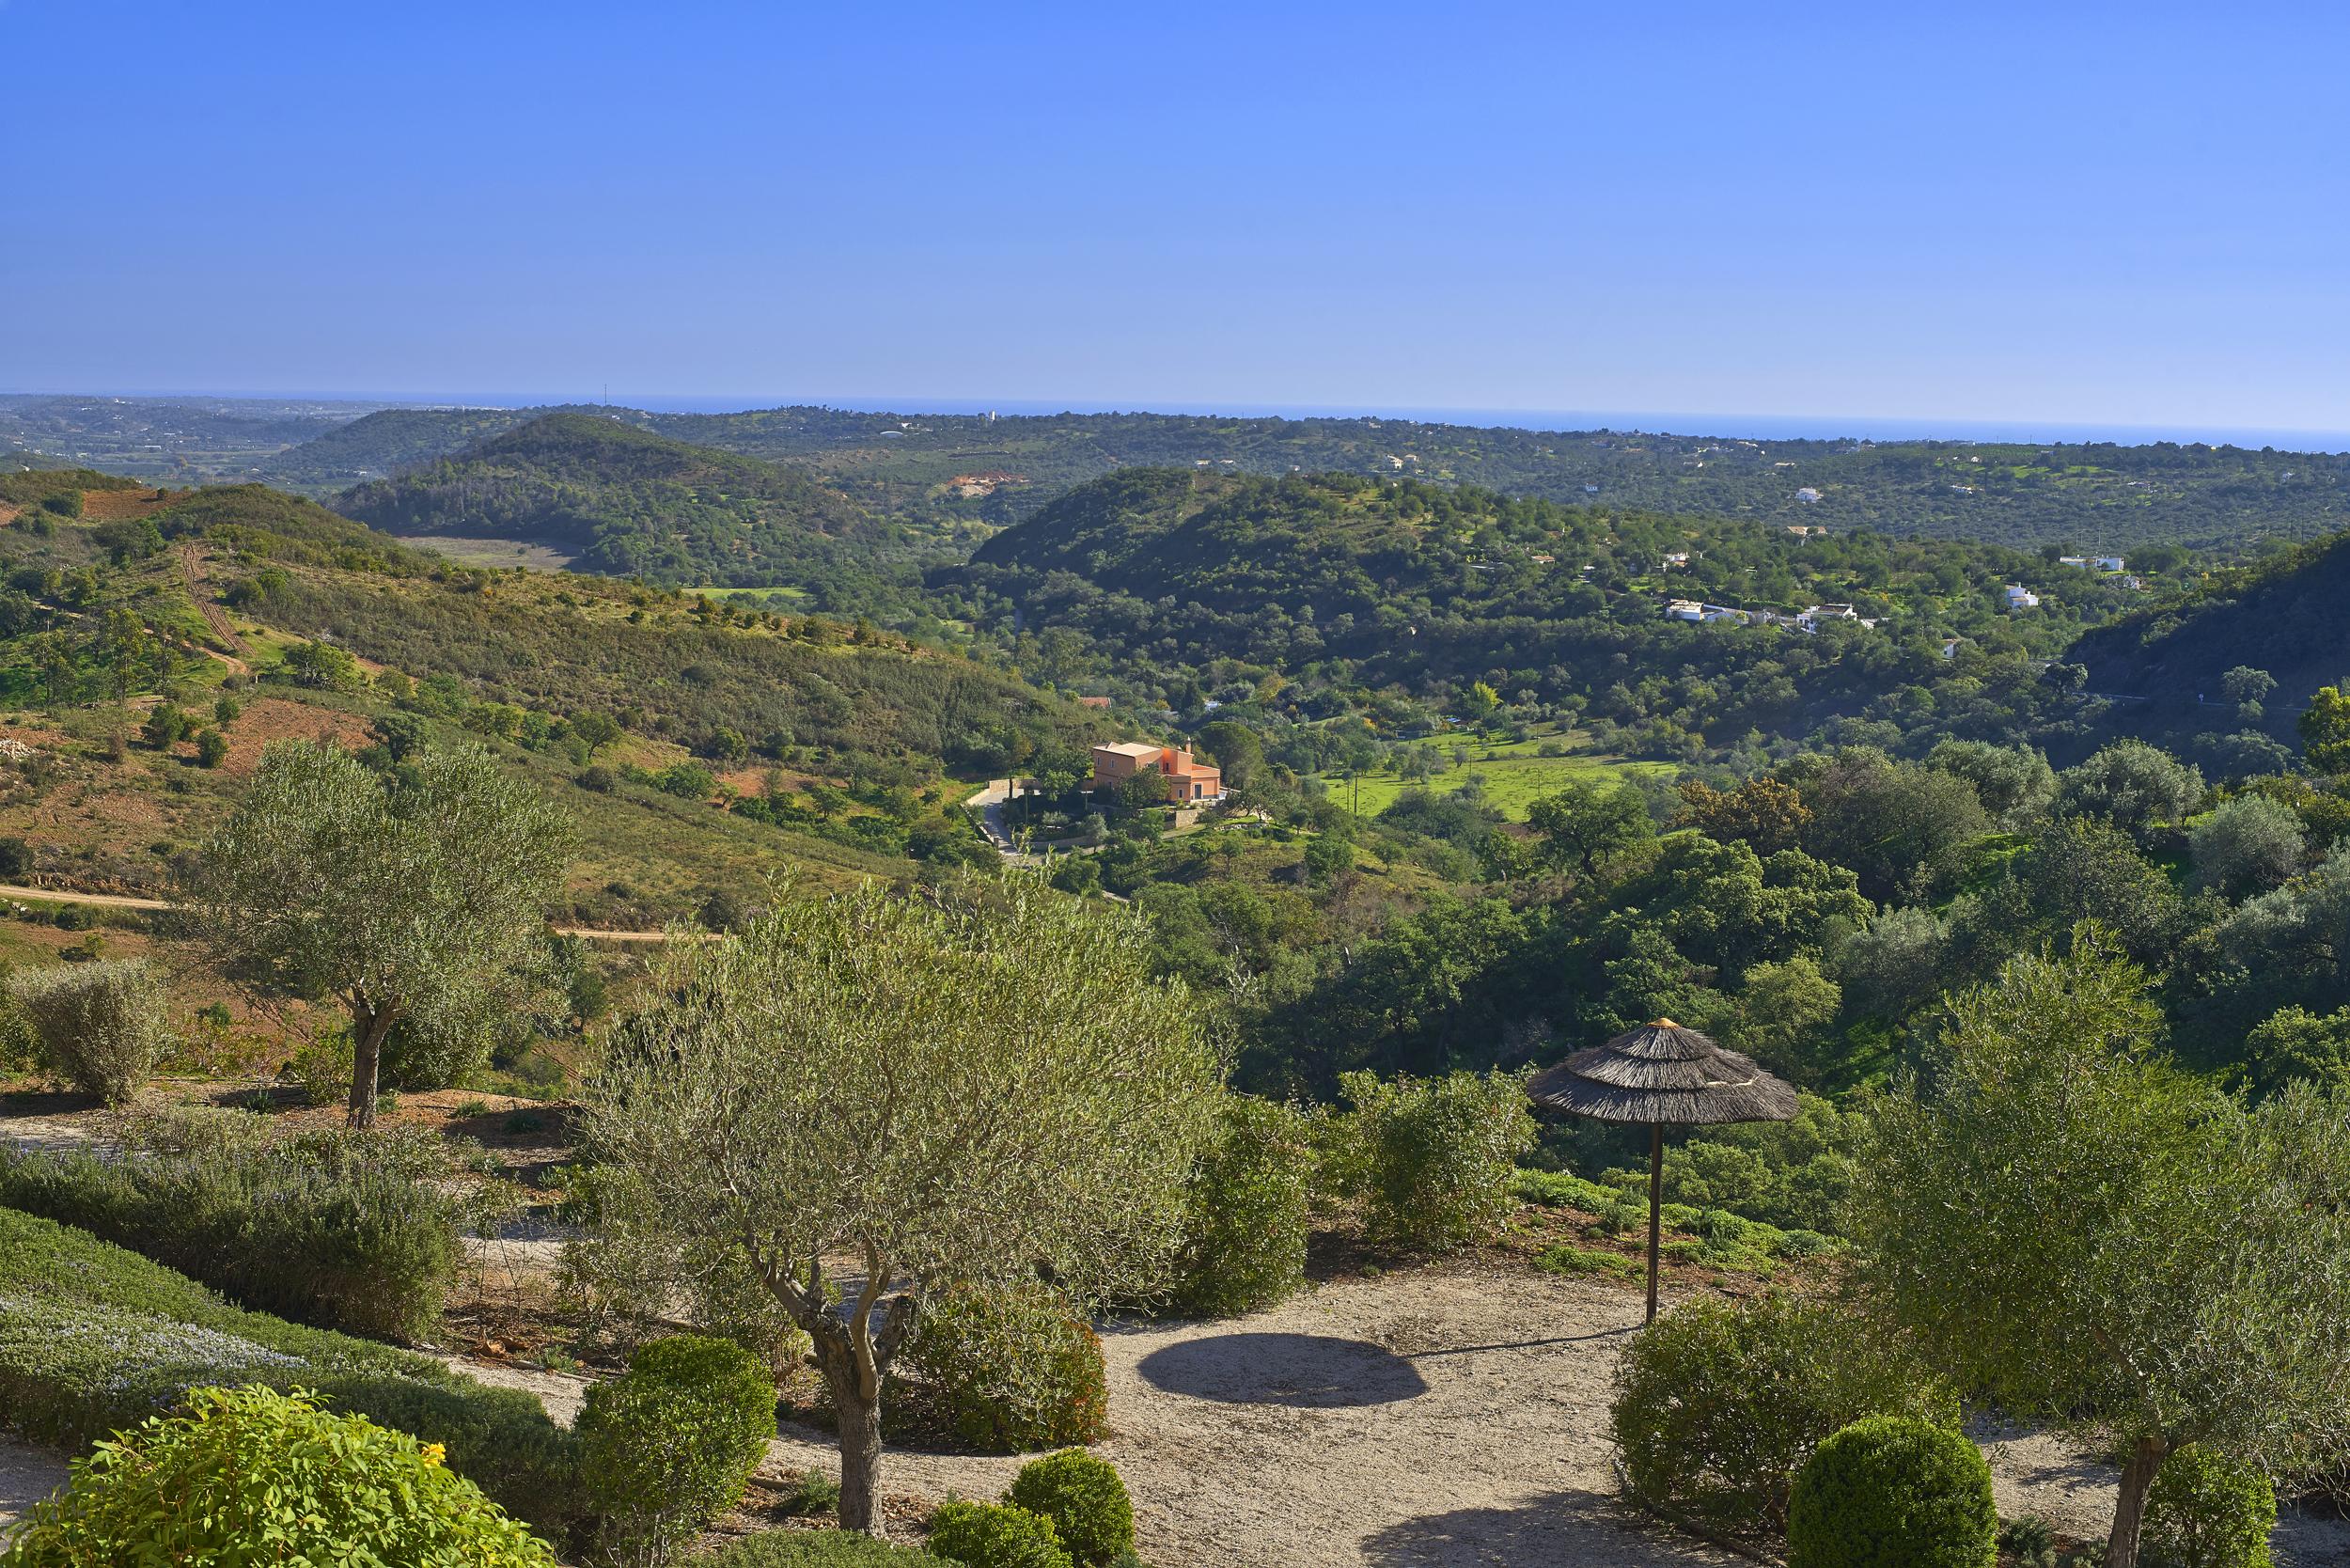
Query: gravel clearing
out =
(1450, 1418)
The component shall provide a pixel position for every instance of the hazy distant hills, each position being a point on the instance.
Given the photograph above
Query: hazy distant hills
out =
(940, 468)
(627, 502)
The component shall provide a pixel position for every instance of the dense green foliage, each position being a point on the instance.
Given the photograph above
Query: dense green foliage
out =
(1718, 1404)
(2140, 1256)
(996, 1535)
(95, 1338)
(814, 1549)
(1894, 1492)
(1432, 1158)
(350, 1231)
(250, 1476)
(1006, 1371)
(669, 1444)
(631, 504)
(1247, 1212)
(101, 1026)
(2208, 1510)
(1086, 1500)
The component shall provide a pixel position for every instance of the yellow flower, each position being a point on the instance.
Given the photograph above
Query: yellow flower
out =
(434, 1453)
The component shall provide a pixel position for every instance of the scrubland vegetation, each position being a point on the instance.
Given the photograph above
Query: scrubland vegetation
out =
(879, 1137)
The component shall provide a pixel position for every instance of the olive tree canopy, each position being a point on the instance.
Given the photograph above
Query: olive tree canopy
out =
(418, 895)
(2092, 1238)
(876, 1096)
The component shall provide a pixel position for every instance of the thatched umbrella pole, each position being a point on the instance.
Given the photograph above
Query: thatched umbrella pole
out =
(1664, 1076)
(1656, 1209)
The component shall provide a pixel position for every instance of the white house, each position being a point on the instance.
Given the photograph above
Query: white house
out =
(1684, 609)
(2021, 598)
(1807, 494)
(2108, 563)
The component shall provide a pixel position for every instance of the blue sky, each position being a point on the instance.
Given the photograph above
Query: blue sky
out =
(2130, 216)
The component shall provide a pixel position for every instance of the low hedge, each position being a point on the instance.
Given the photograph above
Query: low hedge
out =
(95, 1338)
(341, 1230)
(1086, 1499)
(2209, 1510)
(815, 1548)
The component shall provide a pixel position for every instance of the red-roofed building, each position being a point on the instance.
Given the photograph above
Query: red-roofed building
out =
(1188, 782)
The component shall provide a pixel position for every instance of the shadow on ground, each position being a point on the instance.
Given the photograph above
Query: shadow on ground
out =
(1558, 1529)
(1305, 1372)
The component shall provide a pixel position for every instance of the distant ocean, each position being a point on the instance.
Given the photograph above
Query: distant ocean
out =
(1761, 427)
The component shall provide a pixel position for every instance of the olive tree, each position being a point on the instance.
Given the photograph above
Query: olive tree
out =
(2091, 1237)
(413, 896)
(876, 1097)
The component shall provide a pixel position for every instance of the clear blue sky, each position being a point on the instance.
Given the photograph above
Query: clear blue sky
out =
(2132, 214)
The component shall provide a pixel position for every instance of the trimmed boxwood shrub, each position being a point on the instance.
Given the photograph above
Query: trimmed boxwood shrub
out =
(100, 1025)
(2208, 1510)
(1891, 1492)
(1718, 1404)
(1246, 1212)
(994, 1536)
(1083, 1496)
(815, 1548)
(248, 1473)
(1000, 1371)
(94, 1339)
(669, 1445)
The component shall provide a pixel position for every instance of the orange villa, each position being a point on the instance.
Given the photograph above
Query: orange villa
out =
(1186, 780)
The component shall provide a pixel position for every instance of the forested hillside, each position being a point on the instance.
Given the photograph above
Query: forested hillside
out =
(1334, 589)
(2098, 497)
(625, 502)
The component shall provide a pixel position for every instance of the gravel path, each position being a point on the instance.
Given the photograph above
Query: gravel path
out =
(1446, 1418)
(28, 1475)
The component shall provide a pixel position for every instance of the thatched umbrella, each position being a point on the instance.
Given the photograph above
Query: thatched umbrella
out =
(1664, 1076)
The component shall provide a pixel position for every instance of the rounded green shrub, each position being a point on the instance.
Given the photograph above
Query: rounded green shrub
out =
(1086, 1500)
(1001, 1372)
(251, 1476)
(669, 1445)
(1246, 1210)
(815, 1548)
(1718, 1404)
(2208, 1510)
(1894, 1492)
(996, 1535)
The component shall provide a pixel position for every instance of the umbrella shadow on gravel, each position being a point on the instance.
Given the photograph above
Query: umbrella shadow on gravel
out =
(1560, 1529)
(1305, 1372)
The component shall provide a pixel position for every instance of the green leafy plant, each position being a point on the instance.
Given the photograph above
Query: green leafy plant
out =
(811, 1492)
(1246, 1212)
(250, 1476)
(2208, 1510)
(670, 1444)
(815, 1548)
(1004, 1371)
(1086, 1500)
(102, 1025)
(996, 1535)
(1894, 1492)
(359, 1232)
(1718, 1404)
(2029, 1541)
(93, 1339)
(1434, 1157)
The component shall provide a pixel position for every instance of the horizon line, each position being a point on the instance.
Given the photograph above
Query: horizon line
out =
(1700, 425)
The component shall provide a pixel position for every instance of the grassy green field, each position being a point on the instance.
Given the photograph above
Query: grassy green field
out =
(1516, 774)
